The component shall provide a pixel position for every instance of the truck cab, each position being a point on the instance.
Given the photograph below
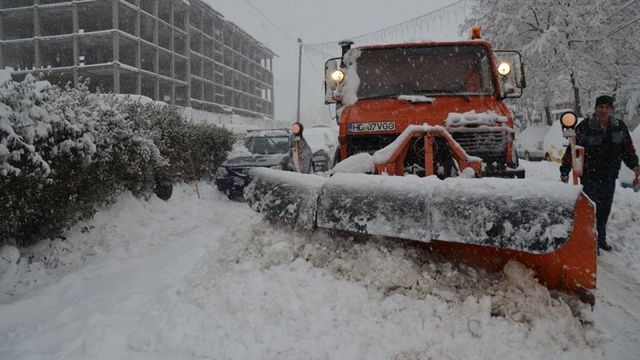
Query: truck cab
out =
(380, 90)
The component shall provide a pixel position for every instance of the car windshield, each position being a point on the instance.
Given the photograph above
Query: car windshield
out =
(266, 145)
(427, 70)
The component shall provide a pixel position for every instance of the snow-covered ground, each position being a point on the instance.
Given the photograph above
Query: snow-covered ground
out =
(209, 279)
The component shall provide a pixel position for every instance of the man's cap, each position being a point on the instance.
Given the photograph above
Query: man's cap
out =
(604, 100)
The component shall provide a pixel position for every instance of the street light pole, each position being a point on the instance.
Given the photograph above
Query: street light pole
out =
(299, 77)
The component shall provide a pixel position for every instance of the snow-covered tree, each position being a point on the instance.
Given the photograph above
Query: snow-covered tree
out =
(624, 30)
(573, 50)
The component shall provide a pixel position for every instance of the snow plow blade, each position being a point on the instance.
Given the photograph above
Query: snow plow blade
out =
(480, 222)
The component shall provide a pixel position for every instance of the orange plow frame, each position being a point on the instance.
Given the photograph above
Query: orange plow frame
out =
(395, 164)
(571, 268)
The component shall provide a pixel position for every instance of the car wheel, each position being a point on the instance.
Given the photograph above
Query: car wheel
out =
(547, 157)
(163, 189)
(235, 196)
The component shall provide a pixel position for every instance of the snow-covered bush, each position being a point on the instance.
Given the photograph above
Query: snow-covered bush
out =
(192, 149)
(65, 151)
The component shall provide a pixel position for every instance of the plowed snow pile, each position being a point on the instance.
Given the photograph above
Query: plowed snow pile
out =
(335, 297)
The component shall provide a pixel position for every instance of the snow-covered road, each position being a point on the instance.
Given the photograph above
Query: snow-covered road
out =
(209, 279)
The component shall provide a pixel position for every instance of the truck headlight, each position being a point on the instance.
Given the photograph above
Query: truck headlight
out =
(504, 68)
(337, 76)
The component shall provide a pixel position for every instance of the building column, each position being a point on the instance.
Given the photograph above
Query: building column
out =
(202, 62)
(138, 52)
(156, 61)
(188, 45)
(1, 36)
(115, 17)
(36, 32)
(173, 57)
(76, 42)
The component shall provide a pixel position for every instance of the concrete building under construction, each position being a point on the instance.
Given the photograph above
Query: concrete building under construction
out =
(178, 51)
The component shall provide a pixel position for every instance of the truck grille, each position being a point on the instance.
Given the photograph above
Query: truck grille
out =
(488, 145)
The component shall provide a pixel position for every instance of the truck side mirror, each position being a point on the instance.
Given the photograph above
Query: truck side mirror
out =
(510, 73)
(331, 79)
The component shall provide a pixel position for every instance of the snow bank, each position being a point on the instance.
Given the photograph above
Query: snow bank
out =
(328, 296)
(189, 278)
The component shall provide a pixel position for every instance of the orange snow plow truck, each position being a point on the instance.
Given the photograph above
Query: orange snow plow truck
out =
(427, 149)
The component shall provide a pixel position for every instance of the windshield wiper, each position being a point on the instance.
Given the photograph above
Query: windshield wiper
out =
(436, 92)
(377, 96)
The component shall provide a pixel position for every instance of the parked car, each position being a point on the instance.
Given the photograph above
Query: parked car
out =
(530, 143)
(323, 141)
(626, 176)
(260, 148)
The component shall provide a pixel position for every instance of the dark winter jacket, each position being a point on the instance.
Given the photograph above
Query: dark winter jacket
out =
(605, 149)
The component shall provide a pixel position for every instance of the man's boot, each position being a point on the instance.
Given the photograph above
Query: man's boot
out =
(604, 246)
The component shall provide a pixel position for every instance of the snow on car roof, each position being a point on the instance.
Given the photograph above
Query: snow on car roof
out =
(268, 132)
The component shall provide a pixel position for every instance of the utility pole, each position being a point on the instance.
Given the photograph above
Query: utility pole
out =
(299, 77)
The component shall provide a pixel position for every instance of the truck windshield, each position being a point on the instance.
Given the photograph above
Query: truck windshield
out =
(427, 70)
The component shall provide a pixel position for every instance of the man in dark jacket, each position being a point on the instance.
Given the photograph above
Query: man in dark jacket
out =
(607, 143)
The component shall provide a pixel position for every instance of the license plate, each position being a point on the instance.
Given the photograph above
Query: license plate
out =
(372, 127)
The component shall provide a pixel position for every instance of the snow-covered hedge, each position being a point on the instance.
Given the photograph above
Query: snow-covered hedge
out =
(65, 151)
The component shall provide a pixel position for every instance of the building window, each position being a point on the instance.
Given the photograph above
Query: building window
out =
(148, 57)
(148, 86)
(164, 10)
(164, 35)
(19, 56)
(99, 50)
(164, 63)
(102, 82)
(147, 27)
(92, 16)
(180, 43)
(56, 53)
(127, 20)
(56, 21)
(181, 68)
(18, 24)
(148, 6)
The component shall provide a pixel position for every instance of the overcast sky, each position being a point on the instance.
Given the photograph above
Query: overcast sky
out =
(319, 22)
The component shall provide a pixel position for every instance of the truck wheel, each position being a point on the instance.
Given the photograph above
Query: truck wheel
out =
(336, 157)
